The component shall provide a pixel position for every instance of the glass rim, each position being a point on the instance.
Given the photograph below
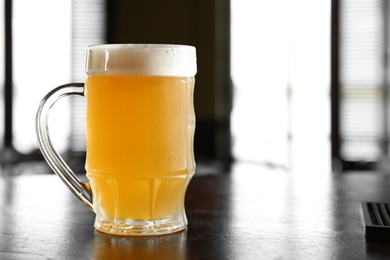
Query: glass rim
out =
(139, 45)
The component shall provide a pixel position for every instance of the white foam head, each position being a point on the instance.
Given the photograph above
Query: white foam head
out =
(141, 59)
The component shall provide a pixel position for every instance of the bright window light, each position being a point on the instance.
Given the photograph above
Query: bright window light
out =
(281, 78)
(42, 60)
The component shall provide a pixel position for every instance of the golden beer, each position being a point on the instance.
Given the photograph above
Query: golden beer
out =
(139, 146)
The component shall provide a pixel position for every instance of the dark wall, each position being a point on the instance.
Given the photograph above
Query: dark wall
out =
(203, 24)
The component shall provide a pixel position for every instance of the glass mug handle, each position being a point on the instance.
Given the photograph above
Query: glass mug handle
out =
(58, 165)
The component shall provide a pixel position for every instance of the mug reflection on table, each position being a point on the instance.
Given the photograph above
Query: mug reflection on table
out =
(161, 247)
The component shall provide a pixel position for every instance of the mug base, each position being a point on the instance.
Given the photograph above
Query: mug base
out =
(140, 228)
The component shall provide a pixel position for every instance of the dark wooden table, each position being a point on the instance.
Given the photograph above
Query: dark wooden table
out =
(254, 212)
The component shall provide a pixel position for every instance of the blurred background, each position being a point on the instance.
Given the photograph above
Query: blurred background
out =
(290, 84)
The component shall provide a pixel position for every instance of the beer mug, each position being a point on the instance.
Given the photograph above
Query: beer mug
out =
(140, 125)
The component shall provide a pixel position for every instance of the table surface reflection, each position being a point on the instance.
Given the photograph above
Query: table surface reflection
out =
(253, 212)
